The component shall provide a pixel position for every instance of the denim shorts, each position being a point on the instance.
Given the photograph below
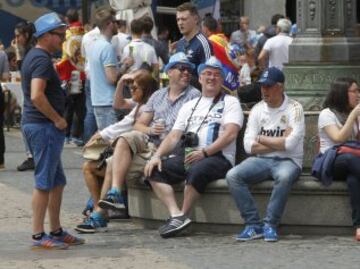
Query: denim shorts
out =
(46, 143)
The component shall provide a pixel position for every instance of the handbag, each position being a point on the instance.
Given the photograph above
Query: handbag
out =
(94, 150)
(347, 149)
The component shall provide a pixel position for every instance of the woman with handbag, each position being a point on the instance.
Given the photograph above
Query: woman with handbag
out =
(142, 85)
(339, 123)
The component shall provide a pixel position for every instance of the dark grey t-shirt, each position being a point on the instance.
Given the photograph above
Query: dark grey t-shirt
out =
(38, 64)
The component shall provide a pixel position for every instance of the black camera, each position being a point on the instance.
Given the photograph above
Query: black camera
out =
(190, 139)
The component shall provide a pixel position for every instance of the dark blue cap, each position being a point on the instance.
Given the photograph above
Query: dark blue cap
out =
(271, 76)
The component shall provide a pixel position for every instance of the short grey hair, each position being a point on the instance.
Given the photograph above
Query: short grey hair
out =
(284, 25)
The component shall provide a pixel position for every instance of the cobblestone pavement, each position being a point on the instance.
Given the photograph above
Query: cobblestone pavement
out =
(127, 245)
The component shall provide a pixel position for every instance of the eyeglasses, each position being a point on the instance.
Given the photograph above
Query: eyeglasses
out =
(134, 87)
(182, 68)
(60, 35)
(209, 74)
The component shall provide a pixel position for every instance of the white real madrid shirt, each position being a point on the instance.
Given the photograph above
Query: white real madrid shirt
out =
(273, 122)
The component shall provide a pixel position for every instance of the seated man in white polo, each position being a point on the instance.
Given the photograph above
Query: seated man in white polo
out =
(208, 127)
(274, 134)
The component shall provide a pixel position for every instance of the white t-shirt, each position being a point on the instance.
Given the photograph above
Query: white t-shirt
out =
(87, 42)
(142, 52)
(326, 118)
(264, 120)
(227, 110)
(278, 49)
(119, 42)
(125, 125)
(245, 75)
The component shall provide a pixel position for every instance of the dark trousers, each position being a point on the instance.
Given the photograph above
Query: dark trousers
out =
(75, 106)
(2, 139)
(346, 167)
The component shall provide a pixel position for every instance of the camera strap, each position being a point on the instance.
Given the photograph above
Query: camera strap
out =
(217, 98)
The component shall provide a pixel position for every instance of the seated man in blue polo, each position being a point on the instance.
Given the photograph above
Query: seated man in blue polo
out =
(208, 127)
(274, 136)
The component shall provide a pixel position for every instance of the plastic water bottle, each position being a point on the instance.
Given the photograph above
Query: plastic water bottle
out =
(188, 150)
(75, 82)
(161, 122)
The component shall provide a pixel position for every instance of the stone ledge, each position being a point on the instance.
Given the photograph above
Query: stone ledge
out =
(310, 207)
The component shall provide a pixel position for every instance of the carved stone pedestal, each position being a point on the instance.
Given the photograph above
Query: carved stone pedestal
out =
(325, 48)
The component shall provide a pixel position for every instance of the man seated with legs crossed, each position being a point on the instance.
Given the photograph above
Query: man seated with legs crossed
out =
(274, 134)
(134, 148)
(208, 127)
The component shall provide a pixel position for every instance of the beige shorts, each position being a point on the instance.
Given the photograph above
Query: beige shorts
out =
(142, 151)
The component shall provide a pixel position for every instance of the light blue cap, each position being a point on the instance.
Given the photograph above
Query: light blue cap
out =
(178, 58)
(212, 62)
(47, 22)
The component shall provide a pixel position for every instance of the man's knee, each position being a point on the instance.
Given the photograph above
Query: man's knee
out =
(285, 178)
(234, 176)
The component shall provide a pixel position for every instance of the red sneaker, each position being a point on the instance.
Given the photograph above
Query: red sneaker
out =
(357, 234)
(68, 239)
(48, 242)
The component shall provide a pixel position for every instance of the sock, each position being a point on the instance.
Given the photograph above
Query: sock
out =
(115, 190)
(58, 232)
(38, 236)
(97, 215)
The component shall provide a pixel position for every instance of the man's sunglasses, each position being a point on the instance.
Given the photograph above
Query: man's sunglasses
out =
(60, 35)
(182, 68)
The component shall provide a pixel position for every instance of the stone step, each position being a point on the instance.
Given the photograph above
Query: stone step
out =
(311, 207)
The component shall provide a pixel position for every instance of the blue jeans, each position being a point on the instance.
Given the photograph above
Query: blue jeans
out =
(90, 126)
(257, 169)
(105, 116)
(346, 167)
(46, 144)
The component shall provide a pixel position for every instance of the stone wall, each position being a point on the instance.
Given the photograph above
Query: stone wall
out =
(260, 12)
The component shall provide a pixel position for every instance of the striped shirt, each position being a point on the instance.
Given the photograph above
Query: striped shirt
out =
(197, 50)
(164, 108)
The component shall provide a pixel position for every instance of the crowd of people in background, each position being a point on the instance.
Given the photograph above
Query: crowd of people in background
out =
(168, 112)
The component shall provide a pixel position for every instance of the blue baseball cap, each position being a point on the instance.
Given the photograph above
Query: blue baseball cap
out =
(178, 58)
(212, 62)
(271, 76)
(47, 22)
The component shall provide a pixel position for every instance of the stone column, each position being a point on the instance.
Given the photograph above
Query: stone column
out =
(325, 48)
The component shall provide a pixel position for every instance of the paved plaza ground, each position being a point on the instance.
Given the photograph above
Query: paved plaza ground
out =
(127, 245)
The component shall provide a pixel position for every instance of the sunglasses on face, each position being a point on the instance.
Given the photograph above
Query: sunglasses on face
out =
(182, 68)
(60, 35)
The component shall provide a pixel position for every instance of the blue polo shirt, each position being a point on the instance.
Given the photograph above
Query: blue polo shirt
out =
(101, 55)
(197, 50)
(38, 64)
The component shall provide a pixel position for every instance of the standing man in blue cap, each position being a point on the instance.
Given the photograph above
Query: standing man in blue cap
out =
(208, 127)
(274, 135)
(44, 127)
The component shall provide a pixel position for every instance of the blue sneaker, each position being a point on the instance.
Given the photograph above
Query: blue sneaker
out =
(69, 239)
(114, 200)
(250, 232)
(92, 224)
(88, 208)
(48, 242)
(270, 234)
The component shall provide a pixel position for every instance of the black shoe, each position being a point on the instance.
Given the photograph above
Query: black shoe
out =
(174, 226)
(28, 164)
(118, 214)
